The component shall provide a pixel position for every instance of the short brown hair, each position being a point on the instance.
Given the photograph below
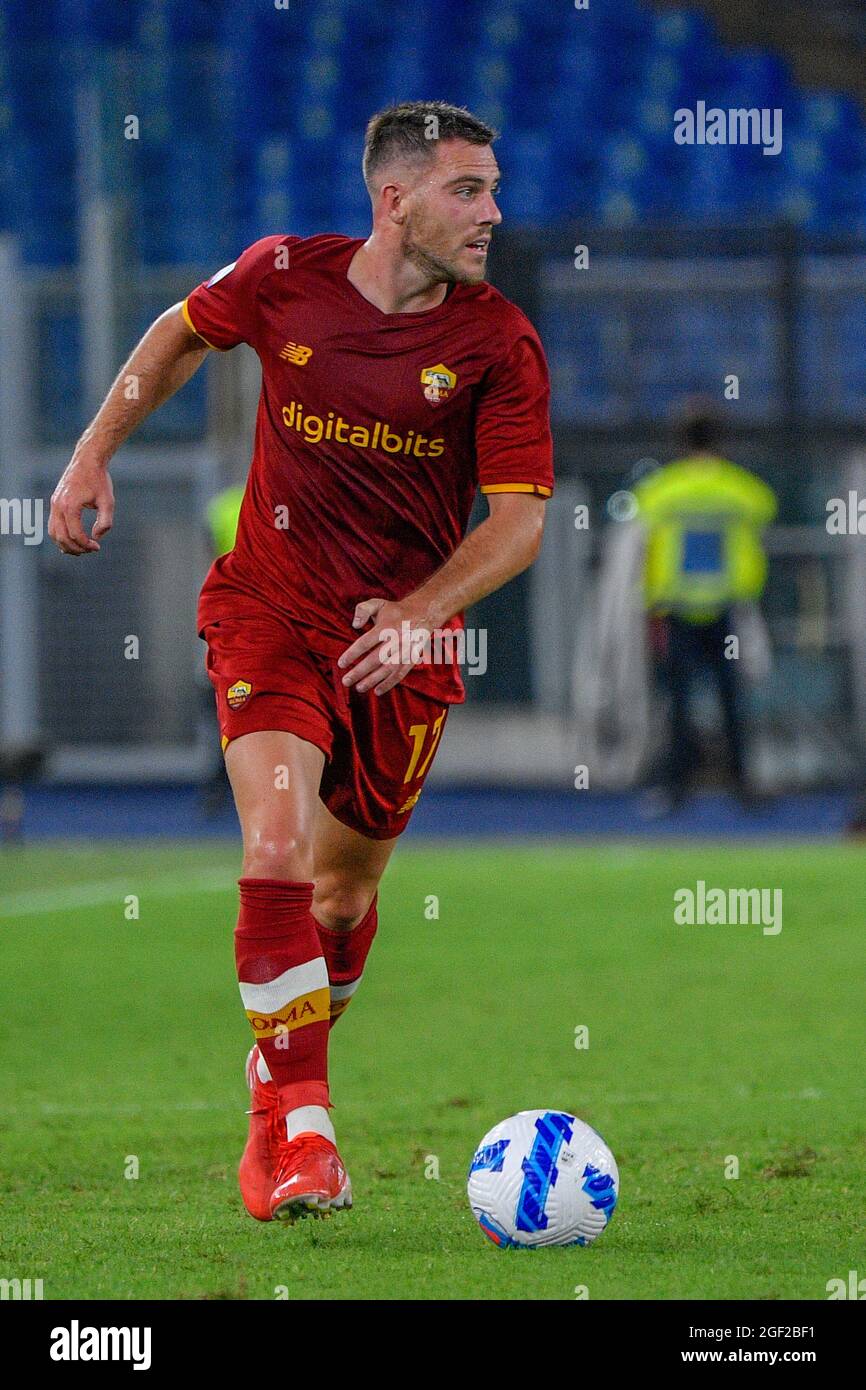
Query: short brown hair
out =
(404, 131)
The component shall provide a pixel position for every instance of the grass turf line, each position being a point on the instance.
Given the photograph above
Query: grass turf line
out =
(123, 1038)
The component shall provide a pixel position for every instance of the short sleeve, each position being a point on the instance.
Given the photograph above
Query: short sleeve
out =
(513, 444)
(223, 311)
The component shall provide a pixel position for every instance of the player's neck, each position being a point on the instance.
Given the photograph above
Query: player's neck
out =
(392, 283)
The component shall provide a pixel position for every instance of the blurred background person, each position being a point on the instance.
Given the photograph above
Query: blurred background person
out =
(653, 270)
(223, 510)
(702, 516)
(143, 146)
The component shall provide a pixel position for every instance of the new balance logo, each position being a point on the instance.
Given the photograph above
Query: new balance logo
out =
(294, 352)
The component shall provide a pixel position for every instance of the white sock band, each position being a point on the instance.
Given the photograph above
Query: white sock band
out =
(308, 1118)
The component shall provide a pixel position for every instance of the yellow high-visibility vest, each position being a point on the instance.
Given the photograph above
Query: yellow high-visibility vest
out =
(703, 516)
(222, 517)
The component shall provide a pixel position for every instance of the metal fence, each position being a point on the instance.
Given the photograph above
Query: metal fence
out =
(651, 317)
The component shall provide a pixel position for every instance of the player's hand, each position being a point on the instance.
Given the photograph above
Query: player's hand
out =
(376, 660)
(82, 484)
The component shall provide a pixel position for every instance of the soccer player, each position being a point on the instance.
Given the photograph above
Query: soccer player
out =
(395, 382)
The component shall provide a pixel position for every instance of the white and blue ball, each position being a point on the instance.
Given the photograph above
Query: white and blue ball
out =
(543, 1177)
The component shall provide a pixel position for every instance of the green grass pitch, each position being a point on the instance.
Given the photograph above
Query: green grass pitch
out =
(124, 1038)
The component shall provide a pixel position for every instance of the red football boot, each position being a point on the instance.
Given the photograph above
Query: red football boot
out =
(311, 1179)
(257, 1171)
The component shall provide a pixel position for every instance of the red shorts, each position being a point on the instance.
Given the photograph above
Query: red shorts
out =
(378, 748)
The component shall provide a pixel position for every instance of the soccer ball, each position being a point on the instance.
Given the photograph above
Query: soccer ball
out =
(543, 1177)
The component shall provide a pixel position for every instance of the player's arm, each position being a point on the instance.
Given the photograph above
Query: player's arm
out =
(514, 468)
(165, 359)
(502, 546)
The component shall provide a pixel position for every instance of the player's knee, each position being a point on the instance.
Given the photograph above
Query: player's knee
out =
(279, 854)
(339, 904)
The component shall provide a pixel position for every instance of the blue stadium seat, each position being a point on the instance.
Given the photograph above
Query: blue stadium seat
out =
(244, 73)
(254, 118)
(764, 76)
(527, 177)
(680, 30)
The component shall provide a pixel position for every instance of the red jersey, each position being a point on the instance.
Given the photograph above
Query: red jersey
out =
(373, 433)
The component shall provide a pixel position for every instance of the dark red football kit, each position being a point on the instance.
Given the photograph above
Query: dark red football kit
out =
(373, 433)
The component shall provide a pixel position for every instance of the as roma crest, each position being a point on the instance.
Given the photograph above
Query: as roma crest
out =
(238, 694)
(438, 383)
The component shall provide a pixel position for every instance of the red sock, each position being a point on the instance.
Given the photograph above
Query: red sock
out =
(284, 986)
(345, 953)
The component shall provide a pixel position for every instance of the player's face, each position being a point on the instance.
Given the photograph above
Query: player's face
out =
(451, 213)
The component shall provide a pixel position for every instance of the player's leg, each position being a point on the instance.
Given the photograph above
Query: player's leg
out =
(275, 779)
(381, 755)
(727, 680)
(347, 867)
(290, 1162)
(682, 654)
